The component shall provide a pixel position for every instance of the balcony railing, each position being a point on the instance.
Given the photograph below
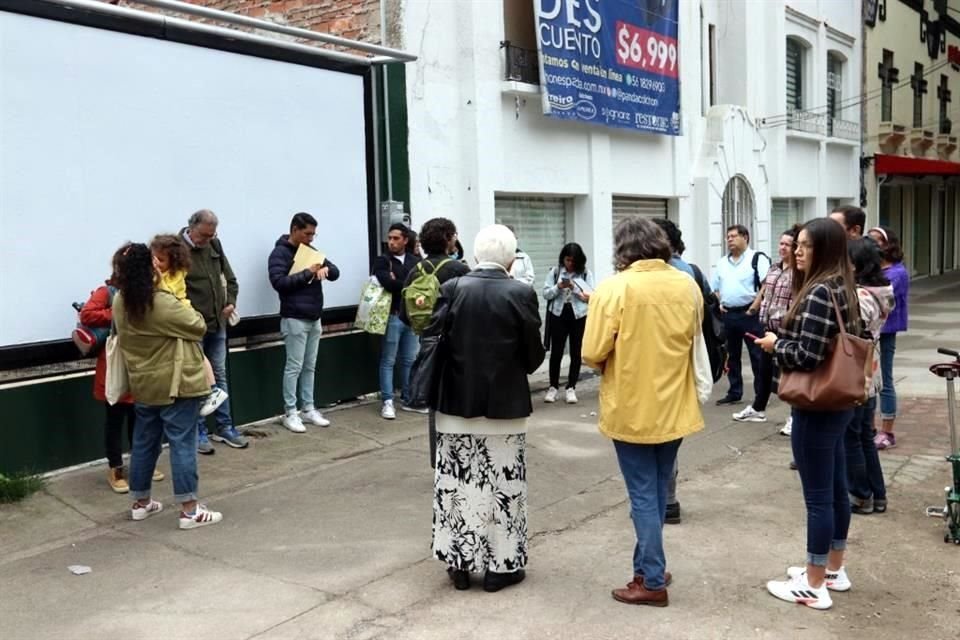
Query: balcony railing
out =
(807, 122)
(845, 129)
(522, 65)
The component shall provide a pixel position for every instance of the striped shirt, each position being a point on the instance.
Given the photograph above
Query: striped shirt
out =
(806, 341)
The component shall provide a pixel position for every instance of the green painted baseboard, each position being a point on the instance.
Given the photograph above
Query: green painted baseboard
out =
(57, 423)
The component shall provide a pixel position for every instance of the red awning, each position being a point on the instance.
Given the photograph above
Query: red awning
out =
(907, 166)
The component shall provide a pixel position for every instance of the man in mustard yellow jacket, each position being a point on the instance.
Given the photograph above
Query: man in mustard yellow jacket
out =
(643, 334)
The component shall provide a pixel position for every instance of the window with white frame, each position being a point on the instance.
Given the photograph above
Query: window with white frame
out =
(834, 89)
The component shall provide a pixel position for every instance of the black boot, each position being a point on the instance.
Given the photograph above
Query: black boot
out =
(673, 513)
(494, 581)
(460, 578)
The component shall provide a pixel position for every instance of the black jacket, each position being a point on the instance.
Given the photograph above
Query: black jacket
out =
(392, 275)
(301, 294)
(452, 269)
(491, 341)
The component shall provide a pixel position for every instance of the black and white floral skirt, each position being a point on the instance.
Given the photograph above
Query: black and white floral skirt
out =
(480, 502)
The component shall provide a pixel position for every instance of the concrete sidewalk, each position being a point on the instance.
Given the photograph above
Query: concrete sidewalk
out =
(326, 535)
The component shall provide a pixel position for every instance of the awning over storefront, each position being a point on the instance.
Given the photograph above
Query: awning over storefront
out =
(908, 166)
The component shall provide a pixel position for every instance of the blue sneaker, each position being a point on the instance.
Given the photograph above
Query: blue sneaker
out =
(230, 437)
(203, 442)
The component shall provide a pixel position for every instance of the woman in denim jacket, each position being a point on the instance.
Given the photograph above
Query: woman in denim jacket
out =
(567, 291)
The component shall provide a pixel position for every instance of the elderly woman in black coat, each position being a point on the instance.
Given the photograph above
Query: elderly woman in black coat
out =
(489, 325)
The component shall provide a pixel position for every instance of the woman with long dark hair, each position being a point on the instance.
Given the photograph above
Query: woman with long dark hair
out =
(897, 274)
(567, 290)
(823, 282)
(868, 493)
(159, 338)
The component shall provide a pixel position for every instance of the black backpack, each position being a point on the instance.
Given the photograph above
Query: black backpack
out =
(714, 334)
(756, 271)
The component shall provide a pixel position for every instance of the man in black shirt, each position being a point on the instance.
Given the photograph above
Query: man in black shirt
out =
(399, 345)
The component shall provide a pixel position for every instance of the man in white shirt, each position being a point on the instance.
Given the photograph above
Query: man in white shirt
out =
(736, 279)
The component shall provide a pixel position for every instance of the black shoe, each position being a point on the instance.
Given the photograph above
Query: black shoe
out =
(793, 465)
(673, 513)
(460, 578)
(728, 400)
(879, 506)
(493, 581)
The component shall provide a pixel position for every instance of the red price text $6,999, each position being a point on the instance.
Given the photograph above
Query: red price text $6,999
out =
(646, 50)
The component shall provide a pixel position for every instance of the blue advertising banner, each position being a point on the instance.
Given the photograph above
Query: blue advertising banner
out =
(611, 62)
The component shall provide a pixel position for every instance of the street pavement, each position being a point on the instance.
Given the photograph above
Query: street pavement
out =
(327, 535)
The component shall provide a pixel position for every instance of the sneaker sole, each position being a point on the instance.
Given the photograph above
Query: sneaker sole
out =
(193, 524)
(223, 440)
(206, 452)
(292, 430)
(750, 419)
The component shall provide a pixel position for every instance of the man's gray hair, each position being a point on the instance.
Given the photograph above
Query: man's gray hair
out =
(204, 216)
(496, 244)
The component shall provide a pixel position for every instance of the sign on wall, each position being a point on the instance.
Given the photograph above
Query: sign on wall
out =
(611, 62)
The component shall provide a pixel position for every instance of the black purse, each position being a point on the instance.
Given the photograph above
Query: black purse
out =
(427, 368)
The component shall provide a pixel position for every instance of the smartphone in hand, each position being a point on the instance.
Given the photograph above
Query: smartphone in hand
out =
(750, 335)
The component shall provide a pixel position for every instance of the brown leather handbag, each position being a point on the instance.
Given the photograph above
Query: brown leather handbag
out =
(839, 382)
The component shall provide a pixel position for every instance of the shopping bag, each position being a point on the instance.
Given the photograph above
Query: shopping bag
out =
(373, 312)
(117, 380)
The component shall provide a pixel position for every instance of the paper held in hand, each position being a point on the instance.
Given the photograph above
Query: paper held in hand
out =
(306, 257)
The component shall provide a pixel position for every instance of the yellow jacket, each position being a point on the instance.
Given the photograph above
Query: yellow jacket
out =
(175, 283)
(642, 331)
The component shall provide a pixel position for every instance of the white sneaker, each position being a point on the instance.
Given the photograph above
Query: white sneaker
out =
(144, 512)
(200, 517)
(571, 396)
(749, 415)
(216, 398)
(293, 422)
(787, 428)
(551, 395)
(799, 591)
(314, 417)
(387, 412)
(835, 580)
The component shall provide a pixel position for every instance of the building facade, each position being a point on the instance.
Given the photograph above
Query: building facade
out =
(759, 143)
(911, 164)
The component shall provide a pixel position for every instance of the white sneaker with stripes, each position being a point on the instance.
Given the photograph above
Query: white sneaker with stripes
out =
(835, 580)
(799, 591)
(200, 517)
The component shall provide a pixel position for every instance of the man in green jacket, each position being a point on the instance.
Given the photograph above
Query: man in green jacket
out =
(212, 290)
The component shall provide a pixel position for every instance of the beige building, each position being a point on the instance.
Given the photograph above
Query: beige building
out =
(911, 100)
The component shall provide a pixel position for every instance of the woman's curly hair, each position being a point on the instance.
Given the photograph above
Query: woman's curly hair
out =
(175, 249)
(133, 266)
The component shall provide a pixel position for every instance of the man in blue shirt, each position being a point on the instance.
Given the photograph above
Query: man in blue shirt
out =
(735, 283)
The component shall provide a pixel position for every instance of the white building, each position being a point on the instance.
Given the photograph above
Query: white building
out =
(765, 139)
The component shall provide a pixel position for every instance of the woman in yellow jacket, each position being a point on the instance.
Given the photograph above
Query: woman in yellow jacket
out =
(643, 334)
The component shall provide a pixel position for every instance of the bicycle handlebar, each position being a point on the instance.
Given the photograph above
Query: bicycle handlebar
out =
(949, 352)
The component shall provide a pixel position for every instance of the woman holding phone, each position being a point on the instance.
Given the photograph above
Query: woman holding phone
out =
(567, 291)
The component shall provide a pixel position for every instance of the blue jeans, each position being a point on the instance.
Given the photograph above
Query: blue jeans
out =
(736, 323)
(647, 470)
(215, 348)
(864, 473)
(178, 421)
(817, 440)
(888, 395)
(400, 346)
(301, 339)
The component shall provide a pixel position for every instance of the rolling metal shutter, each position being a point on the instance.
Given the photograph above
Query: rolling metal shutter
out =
(541, 228)
(784, 213)
(626, 207)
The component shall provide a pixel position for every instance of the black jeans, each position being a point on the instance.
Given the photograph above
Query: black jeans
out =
(113, 431)
(864, 473)
(737, 323)
(765, 377)
(561, 327)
